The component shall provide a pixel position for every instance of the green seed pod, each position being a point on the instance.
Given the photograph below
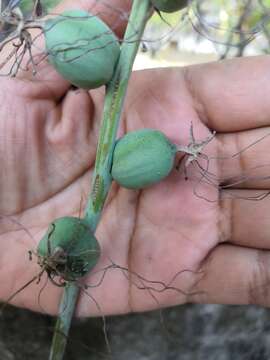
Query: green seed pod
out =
(169, 5)
(142, 158)
(68, 249)
(82, 48)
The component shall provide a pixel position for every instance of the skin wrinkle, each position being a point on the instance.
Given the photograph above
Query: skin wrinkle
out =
(61, 165)
(220, 144)
(154, 224)
(225, 223)
(223, 232)
(193, 284)
(157, 102)
(32, 89)
(70, 160)
(19, 208)
(135, 99)
(170, 228)
(11, 162)
(22, 184)
(131, 289)
(198, 106)
(88, 131)
(31, 233)
(227, 206)
(109, 202)
(205, 264)
(55, 114)
(241, 158)
(258, 290)
(135, 115)
(148, 93)
(28, 214)
(58, 193)
(35, 154)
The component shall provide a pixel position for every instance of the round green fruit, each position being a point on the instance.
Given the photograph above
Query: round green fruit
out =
(169, 5)
(142, 158)
(68, 249)
(82, 48)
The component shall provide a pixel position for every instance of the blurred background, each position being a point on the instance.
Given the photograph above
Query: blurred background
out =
(204, 31)
(207, 31)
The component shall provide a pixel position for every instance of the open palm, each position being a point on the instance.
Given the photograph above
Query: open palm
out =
(49, 134)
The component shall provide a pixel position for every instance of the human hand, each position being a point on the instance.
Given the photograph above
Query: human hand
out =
(48, 152)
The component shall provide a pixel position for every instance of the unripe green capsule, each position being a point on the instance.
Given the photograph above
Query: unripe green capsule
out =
(68, 249)
(142, 158)
(169, 5)
(82, 48)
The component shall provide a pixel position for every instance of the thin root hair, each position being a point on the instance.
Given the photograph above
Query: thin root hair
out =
(11, 297)
(83, 289)
(221, 195)
(161, 286)
(209, 178)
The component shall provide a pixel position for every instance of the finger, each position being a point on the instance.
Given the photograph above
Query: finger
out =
(244, 222)
(235, 275)
(231, 95)
(71, 140)
(114, 13)
(243, 159)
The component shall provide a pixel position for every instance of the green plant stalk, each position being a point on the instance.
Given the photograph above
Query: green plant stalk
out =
(66, 310)
(114, 99)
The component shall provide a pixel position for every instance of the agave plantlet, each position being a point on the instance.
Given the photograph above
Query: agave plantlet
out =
(68, 250)
(144, 157)
(82, 48)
